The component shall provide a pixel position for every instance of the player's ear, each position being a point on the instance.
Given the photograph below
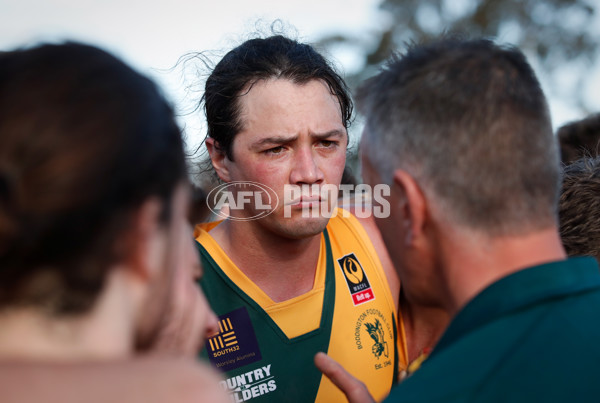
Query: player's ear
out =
(412, 206)
(218, 158)
(144, 244)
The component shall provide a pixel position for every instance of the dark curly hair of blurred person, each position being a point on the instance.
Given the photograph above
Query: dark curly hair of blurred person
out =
(579, 208)
(79, 130)
(579, 139)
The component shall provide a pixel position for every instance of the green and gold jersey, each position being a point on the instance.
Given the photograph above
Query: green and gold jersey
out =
(266, 349)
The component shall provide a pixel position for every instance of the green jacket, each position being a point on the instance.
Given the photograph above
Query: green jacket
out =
(533, 336)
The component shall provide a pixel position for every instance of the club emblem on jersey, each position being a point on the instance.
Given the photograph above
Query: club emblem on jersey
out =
(376, 332)
(379, 348)
(356, 279)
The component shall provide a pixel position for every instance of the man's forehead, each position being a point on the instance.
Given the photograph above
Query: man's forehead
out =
(281, 108)
(365, 146)
(280, 92)
(368, 157)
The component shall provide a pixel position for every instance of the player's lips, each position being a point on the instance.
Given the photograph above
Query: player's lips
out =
(305, 201)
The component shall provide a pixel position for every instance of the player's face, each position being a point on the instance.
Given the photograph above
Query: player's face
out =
(184, 318)
(292, 135)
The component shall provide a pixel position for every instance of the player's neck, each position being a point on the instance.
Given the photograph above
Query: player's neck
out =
(283, 268)
(103, 333)
(423, 326)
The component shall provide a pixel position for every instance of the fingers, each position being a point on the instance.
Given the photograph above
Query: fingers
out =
(355, 390)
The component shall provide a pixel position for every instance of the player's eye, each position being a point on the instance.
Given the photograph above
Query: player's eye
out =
(327, 143)
(274, 150)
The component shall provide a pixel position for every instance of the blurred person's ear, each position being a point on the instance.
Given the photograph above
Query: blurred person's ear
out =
(411, 208)
(218, 156)
(146, 241)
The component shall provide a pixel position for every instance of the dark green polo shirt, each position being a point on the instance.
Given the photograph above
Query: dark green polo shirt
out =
(533, 336)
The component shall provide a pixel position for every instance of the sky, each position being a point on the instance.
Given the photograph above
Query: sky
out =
(152, 35)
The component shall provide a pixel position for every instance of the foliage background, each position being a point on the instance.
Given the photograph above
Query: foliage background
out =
(559, 37)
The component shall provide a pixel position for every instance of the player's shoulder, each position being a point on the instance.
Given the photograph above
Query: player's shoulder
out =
(353, 216)
(147, 380)
(203, 384)
(183, 380)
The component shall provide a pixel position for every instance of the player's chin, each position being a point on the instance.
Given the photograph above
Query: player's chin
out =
(305, 227)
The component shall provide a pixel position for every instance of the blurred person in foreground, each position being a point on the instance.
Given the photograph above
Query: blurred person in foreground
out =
(96, 258)
(461, 131)
(579, 208)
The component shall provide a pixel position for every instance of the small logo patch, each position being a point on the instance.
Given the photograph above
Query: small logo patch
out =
(236, 343)
(226, 337)
(356, 279)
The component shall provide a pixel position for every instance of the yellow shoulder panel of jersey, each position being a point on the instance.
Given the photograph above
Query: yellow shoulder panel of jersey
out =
(362, 337)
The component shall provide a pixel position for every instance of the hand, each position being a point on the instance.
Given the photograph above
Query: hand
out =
(355, 390)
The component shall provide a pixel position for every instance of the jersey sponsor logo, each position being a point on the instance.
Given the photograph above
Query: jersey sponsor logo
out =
(225, 339)
(250, 384)
(356, 279)
(235, 345)
(373, 323)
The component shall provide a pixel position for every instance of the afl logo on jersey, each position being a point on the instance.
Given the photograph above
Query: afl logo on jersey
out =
(357, 280)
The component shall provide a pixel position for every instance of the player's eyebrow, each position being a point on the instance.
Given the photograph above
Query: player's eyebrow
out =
(278, 140)
(329, 134)
(274, 140)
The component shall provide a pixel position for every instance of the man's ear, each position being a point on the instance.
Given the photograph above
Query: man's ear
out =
(218, 158)
(146, 241)
(412, 206)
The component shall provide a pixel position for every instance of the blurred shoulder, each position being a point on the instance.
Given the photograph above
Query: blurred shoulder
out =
(148, 380)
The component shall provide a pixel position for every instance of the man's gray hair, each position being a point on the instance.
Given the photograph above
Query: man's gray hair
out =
(469, 120)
